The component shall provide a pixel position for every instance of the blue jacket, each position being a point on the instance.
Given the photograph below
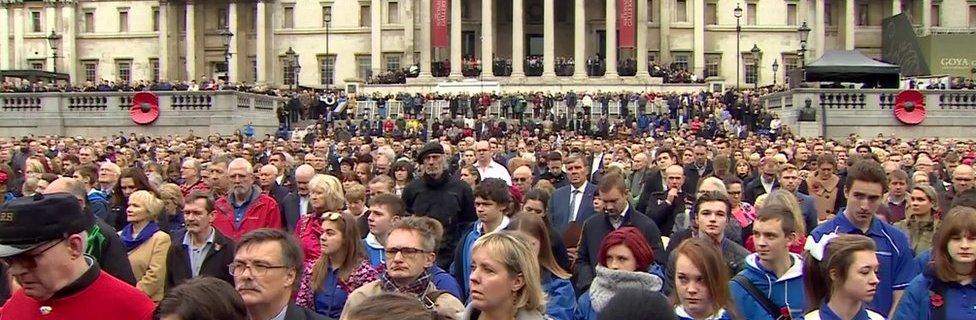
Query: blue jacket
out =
(785, 291)
(444, 281)
(374, 250)
(584, 310)
(683, 315)
(461, 267)
(98, 204)
(916, 303)
(561, 298)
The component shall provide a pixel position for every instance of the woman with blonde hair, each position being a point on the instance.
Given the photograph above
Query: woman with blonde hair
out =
(922, 217)
(171, 219)
(324, 195)
(147, 246)
(505, 281)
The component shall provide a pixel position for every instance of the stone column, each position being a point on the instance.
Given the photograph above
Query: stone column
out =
(409, 28)
(69, 55)
(549, 39)
(262, 26)
(50, 24)
(642, 39)
(18, 48)
(698, 45)
(895, 7)
(611, 31)
(847, 28)
(579, 39)
(4, 37)
(455, 39)
(487, 38)
(425, 39)
(376, 37)
(926, 13)
(518, 39)
(164, 50)
(191, 41)
(819, 31)
(235, 70)
(664, 19)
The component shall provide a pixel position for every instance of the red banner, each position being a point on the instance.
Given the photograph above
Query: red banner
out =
(626, 23)
(440, 18)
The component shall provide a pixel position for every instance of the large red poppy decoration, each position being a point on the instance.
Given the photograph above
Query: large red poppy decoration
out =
(910, 107)
(145, 108)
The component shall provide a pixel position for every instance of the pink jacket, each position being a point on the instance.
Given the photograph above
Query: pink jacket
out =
(308, 231)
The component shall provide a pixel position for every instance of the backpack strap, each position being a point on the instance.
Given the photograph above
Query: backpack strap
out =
(768, 305)
(429, 299)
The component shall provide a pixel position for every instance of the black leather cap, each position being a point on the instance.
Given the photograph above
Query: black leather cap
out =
(428, 149)
(28, 222)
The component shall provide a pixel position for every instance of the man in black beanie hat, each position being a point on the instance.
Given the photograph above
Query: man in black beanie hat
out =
(441, 196)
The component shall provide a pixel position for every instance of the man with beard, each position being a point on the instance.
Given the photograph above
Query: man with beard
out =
(441, 196)
(865, 188)
(272, 260)
(204, 251)
(244, 208)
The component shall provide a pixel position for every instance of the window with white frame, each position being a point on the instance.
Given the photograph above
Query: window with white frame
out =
(681, 61)
(36, 25)
(713, 63)
(154, 69)
(393, 12)
(364, 66)
(751, 70)
(123, 69)
(392, 61)
(327, 70)
(288, 71)
(90, 70)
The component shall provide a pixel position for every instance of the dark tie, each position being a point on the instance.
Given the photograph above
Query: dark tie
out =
(572, 205)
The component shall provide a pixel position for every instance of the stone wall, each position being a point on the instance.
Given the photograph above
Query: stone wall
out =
(97, 114)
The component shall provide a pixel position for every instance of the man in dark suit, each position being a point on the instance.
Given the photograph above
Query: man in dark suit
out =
(267, 268)
(572, 203)
(655, 181)
(664, 206)
(200, 250)
(697, 170)
(616, 213)
(764, 183)
(295, 205)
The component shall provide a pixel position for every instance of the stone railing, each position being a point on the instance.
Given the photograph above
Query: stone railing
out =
(95, 114)
(867, 112)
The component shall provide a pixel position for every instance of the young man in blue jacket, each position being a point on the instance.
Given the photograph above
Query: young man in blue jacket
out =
(775, 273)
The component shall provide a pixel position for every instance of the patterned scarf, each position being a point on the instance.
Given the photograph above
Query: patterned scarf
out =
(415, 288)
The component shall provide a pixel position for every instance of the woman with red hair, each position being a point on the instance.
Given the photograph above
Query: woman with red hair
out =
(624, 260)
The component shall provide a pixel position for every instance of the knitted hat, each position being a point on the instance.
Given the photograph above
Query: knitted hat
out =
(634, 240)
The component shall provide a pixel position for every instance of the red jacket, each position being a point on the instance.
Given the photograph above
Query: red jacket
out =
(262, 212)
(107, 298)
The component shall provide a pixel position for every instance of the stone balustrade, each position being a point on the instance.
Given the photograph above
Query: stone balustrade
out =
(867, 112)
(96, 114)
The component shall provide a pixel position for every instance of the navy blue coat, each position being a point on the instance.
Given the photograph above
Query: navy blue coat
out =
(559, 210)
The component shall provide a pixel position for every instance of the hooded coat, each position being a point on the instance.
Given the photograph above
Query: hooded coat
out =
(786, 291)
(606, 284)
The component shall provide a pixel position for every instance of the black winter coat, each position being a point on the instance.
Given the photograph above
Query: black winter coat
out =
(447, 200)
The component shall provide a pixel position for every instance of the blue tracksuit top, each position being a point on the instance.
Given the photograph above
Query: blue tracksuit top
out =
(561, 298)
(785, 291)
(959, 300)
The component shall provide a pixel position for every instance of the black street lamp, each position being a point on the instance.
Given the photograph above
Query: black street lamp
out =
(775, 68)
(226, 36)
(328, 27)
(804, 32)
(291, 58)
(53, 40)
(756, 57)
(738, 33)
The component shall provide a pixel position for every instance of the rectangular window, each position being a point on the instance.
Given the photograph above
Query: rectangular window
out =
(365, 16)
(123, 68)
(393, 62)
(91, 71)
(288, 72)
(680, 10)
(155, 19)
(711, 14)
(751, 14)
(36, 21)
(650, 10)
(364, 67)
(36, 64)
(936, 15)
(253, 63)
(790, 63)
(680, 61)
(154, 69)
(288, 18)
(791, 14)
(750, 68)
(393, 12)
(713, 62)
(972, 16)
(89, 22)
(861, 18)
(123, 21)
(327, 70)
(651, 58)
(222, 16)
(326, 15)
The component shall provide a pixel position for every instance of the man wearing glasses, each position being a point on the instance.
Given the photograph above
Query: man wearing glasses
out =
(410, 254)
(266, 269)
(42, 245)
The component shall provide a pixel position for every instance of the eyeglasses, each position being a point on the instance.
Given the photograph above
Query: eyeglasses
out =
(258, 270)
(392, 252)
(28, 260)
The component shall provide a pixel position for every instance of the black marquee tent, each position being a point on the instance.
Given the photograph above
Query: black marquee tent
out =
(852, 66)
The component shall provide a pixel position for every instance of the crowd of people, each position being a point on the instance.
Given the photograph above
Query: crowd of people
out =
(477, 222)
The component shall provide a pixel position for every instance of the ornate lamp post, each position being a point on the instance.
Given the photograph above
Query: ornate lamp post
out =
(53, 40)
(803, 32)
(738, 33)
(292, 60)
(226, 36)
(775, 68)
(756, 56)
